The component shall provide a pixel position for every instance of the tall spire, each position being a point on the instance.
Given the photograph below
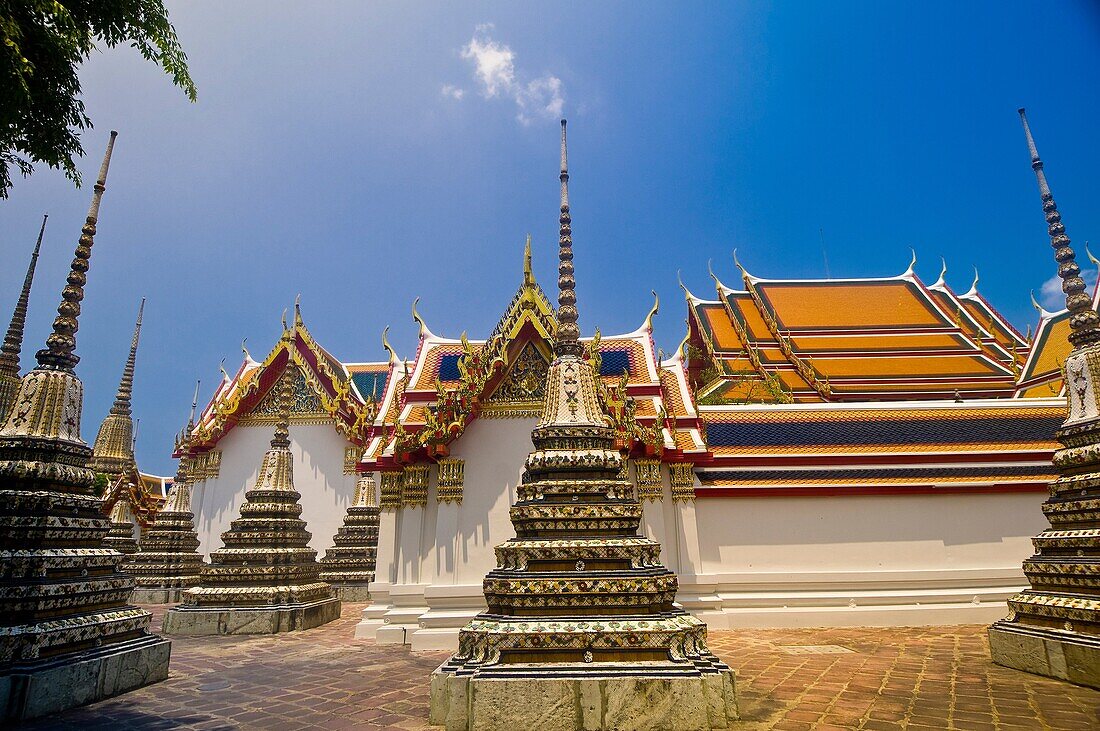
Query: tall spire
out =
(1083, 321)
(126, 383)
(61, 344)
(194, 403)
(13, 341)
(528, 273)
(568, 341)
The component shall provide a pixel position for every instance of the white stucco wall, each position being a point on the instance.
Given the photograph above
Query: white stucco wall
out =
(318, 475)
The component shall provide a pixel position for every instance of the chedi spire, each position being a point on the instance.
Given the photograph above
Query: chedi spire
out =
(60, 350)
(13, 340)
(1083, 321)
(113, 448)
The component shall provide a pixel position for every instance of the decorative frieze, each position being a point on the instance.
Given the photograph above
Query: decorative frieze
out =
(207, 465)
(415, 491)
(393, 484)
(351, 458)
(682, 480)
(451, 476)
(647, 474)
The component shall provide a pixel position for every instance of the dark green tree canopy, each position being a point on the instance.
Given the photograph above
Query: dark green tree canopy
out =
(41, 44)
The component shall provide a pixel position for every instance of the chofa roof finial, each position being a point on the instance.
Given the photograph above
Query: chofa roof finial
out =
(528, 273)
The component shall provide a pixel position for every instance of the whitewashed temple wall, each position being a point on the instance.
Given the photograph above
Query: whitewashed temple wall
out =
(443, 550)
(850, 560)
(763, 562)
(318, 451)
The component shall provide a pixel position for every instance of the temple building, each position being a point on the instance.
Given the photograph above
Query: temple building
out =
(813, 453)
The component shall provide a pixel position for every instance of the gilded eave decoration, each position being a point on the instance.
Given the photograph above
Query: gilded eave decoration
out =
(328, 398)
(454, 407)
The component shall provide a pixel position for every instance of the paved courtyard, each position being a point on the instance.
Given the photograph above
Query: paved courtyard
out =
(853, 678)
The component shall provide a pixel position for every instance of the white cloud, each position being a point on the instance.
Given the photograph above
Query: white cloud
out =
(1053, 298)
(495, 71)
(453, 92)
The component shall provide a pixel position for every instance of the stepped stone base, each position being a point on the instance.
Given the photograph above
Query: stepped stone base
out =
(157, 596)
(352, 593)
(192, 620)
(579, 703)
(37, 689)
(1050, 652)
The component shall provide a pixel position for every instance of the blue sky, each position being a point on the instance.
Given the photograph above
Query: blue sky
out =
(365, 154)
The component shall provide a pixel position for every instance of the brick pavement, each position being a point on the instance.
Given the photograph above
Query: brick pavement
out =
(919, 678)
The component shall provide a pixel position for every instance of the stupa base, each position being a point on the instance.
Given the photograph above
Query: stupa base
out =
(196, 620)
(30, 690)
(589, 698)
(1055, 653)
(352, 592)
(153, 595)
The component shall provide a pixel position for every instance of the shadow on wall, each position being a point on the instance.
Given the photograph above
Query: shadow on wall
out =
(318, 475)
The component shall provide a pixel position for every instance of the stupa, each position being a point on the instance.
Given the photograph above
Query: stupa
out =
(265, 579)
(121, 536)
(581, 631)
(113, 449)
(13, 339)
(1053, 628)
(349, 564)
(168, 561)
(68, 634)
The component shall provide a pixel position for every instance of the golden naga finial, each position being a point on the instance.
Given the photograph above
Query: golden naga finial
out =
(528, 275)
(284, 320)
(655, 309)
(1035, 303)
(710, 271)
(1093, 259)
(387, 346)
(465, 342)
(687, 293)
(737, 264)
(424, 331)
(298, 309)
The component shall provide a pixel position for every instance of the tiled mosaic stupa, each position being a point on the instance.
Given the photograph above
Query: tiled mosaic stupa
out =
(13, 339)
(265, 579)
(349, 564)
(169, 561)
(68, 634)
(1054, 627)
(113, 449)
(120, 536)
(581, 630)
